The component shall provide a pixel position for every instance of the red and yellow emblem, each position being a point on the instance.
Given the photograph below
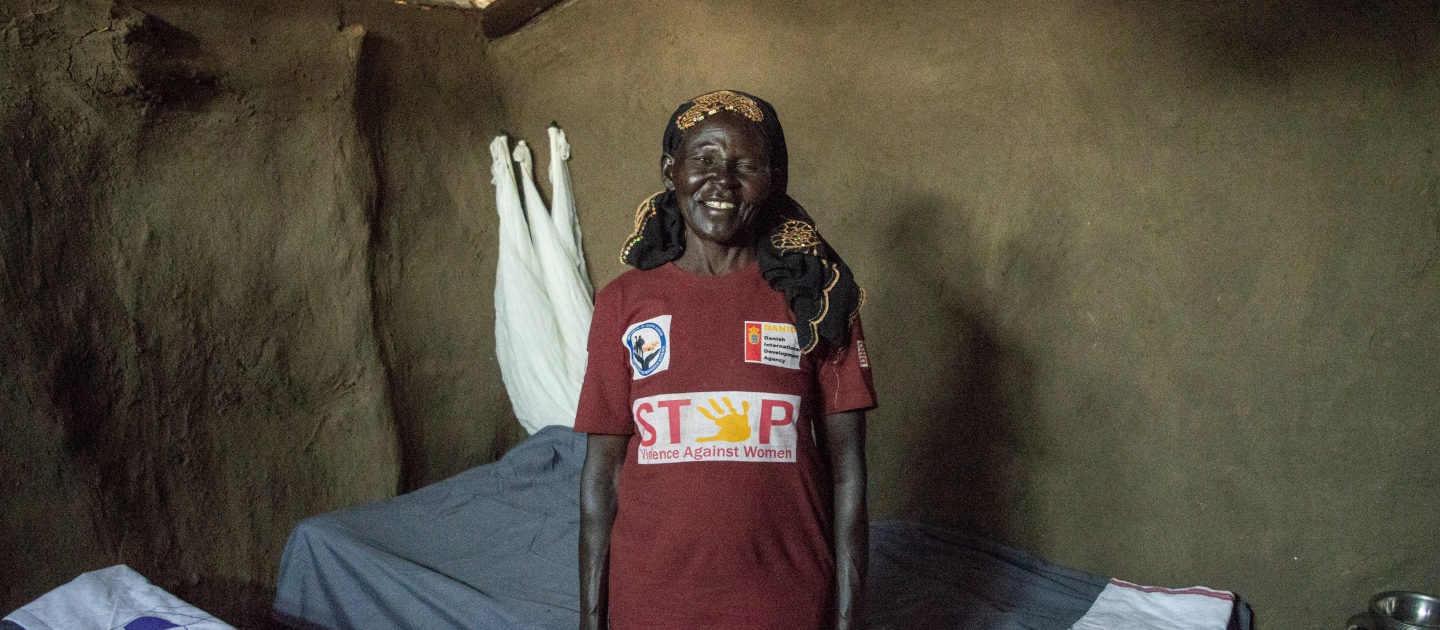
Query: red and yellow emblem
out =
(752, 341)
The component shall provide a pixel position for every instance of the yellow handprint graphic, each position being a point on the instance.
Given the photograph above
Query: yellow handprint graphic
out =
(734, 427)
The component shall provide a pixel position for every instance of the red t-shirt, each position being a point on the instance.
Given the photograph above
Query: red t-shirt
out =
(724, 506)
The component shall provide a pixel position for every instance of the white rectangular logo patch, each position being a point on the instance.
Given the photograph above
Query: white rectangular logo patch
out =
(716, 426)
(648, 343)
(772, 344)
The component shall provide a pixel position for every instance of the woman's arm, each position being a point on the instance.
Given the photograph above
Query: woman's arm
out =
(599, 491)
(844, 442)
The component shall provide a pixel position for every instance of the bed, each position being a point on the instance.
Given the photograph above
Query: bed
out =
(494, 547)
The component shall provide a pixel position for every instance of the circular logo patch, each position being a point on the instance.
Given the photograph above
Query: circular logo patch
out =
(647, 345)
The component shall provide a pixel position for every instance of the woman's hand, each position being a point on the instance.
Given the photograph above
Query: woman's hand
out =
(599, 492)
(843, 438)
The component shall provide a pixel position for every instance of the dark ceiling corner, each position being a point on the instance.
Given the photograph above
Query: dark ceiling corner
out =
(503, 17)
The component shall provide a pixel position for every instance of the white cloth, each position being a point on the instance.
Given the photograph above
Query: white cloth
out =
(116, 598)
(562, 199)
(1127, 606)
(542, 295)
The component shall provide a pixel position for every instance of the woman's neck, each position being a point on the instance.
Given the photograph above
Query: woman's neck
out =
(705, 258)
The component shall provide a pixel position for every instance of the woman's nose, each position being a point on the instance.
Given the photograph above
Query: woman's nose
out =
(725, 176)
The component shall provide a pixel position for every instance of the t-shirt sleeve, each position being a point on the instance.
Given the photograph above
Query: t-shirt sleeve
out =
(605, 395)
(845, 378)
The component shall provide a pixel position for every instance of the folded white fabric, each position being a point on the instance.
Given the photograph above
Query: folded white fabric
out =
(1135, 607)
(116, 598)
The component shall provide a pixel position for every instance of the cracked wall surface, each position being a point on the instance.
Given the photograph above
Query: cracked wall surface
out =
(245, 279)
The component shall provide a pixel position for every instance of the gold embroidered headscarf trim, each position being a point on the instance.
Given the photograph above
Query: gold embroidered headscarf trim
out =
(795, 236)
(716, 101)
(824, 310)
(859, 304)
(642, 214)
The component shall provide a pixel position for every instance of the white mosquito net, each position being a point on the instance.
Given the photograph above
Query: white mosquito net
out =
(542, 293)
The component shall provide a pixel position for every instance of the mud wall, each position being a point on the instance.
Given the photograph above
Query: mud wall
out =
(244, 273)
(1154, 287)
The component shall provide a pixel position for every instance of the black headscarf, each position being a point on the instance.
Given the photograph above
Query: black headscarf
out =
(793, 258)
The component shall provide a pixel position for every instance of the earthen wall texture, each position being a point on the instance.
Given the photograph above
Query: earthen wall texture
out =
(246, 254)
(1154, 288)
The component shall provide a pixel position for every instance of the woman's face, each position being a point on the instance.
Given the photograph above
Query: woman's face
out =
(721, 177)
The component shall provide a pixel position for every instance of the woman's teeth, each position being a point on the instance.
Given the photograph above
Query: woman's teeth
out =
(719, 205)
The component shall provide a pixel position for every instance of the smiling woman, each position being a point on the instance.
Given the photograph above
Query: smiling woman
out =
(721, 176)
(731, 412)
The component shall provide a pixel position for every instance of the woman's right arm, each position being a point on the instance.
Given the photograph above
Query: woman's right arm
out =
(599, 497)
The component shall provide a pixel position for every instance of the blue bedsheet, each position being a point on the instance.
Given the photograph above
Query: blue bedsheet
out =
(495, 547)
(922, 576)
(492, 547)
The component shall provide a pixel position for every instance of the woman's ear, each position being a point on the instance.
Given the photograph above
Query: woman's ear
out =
(667, 167)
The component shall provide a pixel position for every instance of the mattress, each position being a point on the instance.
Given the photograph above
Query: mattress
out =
(495, 547)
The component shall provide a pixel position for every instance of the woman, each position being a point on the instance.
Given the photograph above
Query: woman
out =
(705, 500)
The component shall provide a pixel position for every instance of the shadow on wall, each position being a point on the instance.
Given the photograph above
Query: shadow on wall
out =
(1259, 44)
(430, 255)
(372, 89)
(962, 443)
(245, 605)
(173, 68)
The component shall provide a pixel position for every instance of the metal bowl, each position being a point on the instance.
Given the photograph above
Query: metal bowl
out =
(1403, 610)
